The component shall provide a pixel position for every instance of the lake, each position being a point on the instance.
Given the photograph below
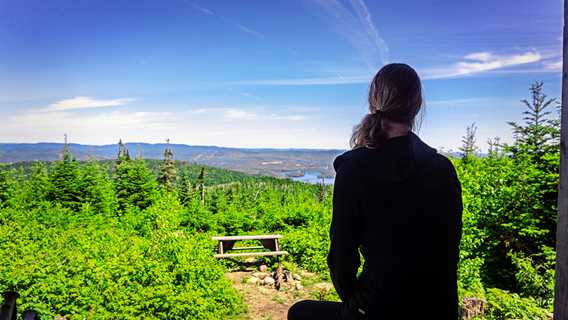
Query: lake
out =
(313, 177)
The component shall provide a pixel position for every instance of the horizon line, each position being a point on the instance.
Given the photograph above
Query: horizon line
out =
(178, 144)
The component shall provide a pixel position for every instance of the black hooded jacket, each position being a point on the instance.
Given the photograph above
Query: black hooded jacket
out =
(400, 207)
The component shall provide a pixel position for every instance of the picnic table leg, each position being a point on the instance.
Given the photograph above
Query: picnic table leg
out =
(220, 248)
(279, 276)
(225, 245)
(279, 270)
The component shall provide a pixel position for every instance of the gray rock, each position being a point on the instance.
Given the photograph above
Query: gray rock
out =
(289, 277)
(260, 275)
(269, 281)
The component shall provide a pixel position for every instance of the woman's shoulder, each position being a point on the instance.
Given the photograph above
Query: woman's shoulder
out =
(445, 164)
(441, 167)
(354, 158)
(424, 153)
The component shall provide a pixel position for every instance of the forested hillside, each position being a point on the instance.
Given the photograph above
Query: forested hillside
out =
(261, 161)
(130, 237)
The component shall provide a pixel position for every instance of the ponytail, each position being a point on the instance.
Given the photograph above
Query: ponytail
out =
(369, 133)
(395, 94)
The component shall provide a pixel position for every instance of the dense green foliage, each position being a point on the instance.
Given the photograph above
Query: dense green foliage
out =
(131, 237)
(135, 185)
(122, 245)
(167, 174)
(86, 265)
(64, 186)
(510, 216)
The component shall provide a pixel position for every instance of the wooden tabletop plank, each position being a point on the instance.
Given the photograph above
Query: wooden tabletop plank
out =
(251, 254)
(251, 237)
(248, 248)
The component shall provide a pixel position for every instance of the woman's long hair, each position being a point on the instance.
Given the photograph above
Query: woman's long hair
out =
(395, 95)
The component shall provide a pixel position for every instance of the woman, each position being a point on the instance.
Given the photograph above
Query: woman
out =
(396, 202)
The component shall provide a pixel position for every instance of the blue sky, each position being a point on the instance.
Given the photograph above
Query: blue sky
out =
(264, 73)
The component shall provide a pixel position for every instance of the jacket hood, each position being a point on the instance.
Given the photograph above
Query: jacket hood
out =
(396, 161)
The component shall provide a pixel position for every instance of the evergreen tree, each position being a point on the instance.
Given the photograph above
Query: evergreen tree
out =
(134, 184)
(537, 145)
(123, 154)
(201, 184)
(65, 181)
(522, 228)
(184, 187)
(97, 189)
(322, 189)
(6, 186)
(494, 149)
(38, 183)
(167, 174)
(539, 133)
(469, 147)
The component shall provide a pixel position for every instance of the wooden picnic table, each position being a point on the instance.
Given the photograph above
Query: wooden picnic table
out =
(268, 241)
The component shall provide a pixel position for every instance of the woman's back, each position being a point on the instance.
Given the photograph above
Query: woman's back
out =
(397, 202)
(401, 204)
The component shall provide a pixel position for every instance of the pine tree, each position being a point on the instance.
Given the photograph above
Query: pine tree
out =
(38, 183)
(64, 181)
(97, 189)
(167, 174)
(321, 189)
(494, 147)
(184, 187)
(6, 186)
(123, 154)
(469, 147)
(134, 184)
(539, 133)
(201, 184)
(523, 227)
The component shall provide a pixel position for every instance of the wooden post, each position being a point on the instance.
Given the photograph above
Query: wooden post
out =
(561, 281)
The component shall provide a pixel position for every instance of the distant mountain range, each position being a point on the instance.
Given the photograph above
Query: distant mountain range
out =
(274, 162)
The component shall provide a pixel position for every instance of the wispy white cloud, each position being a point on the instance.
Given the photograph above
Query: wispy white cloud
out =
(479, 56)
(202, 9)
(293, 117)
(369, 27)
(104, 127)
(479, 62)
(233, 114)
(553, 65)
(239, 114)
(238, 25)
(249, 30)
(199, 111)
(250, 95)
(85, 103)
(484, 61)
(355, 24)
(470, 64)
(215, 126)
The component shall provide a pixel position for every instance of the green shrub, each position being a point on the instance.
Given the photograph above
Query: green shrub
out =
(308, 248)
(535, 276)
(89, 266)
(503, 305)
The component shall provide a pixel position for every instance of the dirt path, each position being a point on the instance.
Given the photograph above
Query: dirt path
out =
(268, 303)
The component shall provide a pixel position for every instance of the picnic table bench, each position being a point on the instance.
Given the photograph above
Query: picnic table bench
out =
(268, 241)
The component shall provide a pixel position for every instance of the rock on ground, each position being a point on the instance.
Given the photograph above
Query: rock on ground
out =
(265, 302)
